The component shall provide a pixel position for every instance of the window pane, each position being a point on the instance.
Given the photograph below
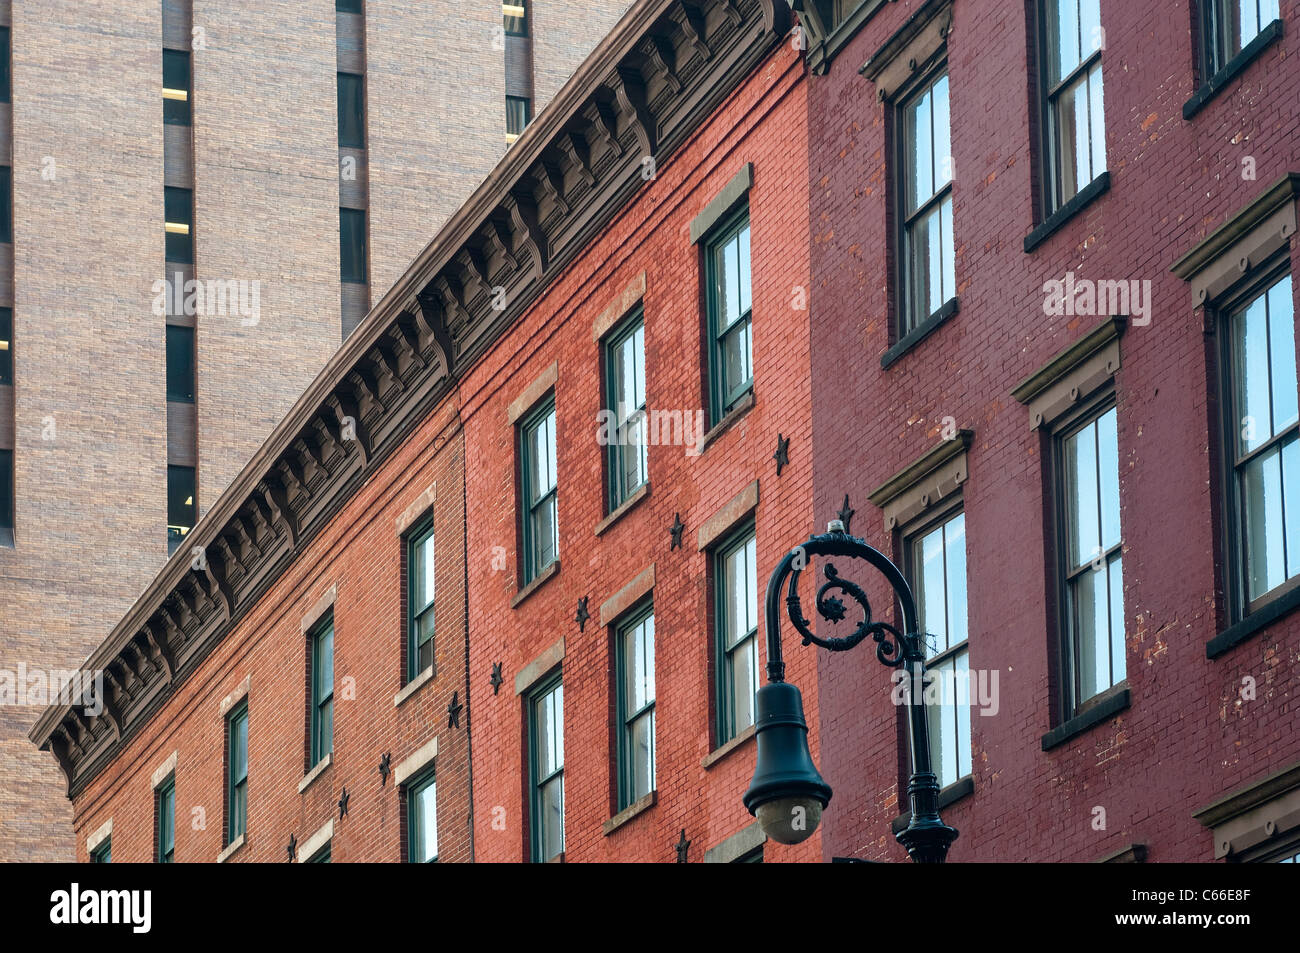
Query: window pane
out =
(424, 818)
(7, 489)
(1081, 496)
(1097, 123)
(932, 596)
(1262, 509)
(178, 216)
(1118, 649)
(1108, 470)
(180, 503)
(942, 722)
(351, 111)
(947, 277)
(518, 114)
(6, 85)
(920, 151)
(744, 684)
(552, 817)
(239, 748)
(1281, 347)
(180, 363)
(6, 345)
(743, 274)
(352, 245)
(955, 552)
(962, 713)
(1063, 38)
(347, 6)
(515, 13)
(176, 87)
(641, 752)
(1250, 346)
(942, 148)
(1089, 28)
(1092, 635)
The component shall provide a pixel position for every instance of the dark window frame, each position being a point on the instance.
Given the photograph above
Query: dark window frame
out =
(725, 727)
(528, 507)
(1224, 310)
(180, 379)
(359, 260)
(236, 787)
(319, 746)
(165, 795)
(907, 320)
(626, 720)
(414, 829)
(412, 543)
(354, 123)
(1212, 53)
(1079, 418)
(618, 450)
(1052, 200)
(547, 686)
(910, 536)
(724, 397)
(103, 852)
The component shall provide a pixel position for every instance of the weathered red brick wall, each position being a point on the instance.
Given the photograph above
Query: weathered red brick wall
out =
(360, 553)
(763, 123)
(1187, 738)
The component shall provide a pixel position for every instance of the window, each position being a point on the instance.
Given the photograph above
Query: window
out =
(1228, 26)
(518, 115)
(736, 597)
(180, 363)
(1265, 457)
(180, 505)
(635, 650)
(1093, 588)
(936, 562)
(420, 564)
(347, 6)
(176, 87)
(164, 801)
(322, 690)
(731, 369)
(321, 856)
(541, 533)
(103, 854)
(6, 345)
(625, 383)
(6, 493)
(926, 244)
(422, 820)
(352, 245)
(546, 734)
(6, 203)
(352, 111)
(6, 80)
(178, 219)
(1075, 143)
(516, 17)
(236, 773)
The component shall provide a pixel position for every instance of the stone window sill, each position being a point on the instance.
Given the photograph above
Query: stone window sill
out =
(717, 754)
(550, 572)
(234, 845)
(1057, 219)
(1253, 624)
(315, 772)
(953, 793)
(919, 333)
(413, 686)
(742, 407)
(639, 494)
(1232, 69)
(1106, 708)
(639, 806)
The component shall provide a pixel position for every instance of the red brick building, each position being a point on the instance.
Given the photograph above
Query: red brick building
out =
(1188, 177)
(1025, 321)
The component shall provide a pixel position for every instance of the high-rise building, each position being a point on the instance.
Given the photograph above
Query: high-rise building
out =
(175, 269)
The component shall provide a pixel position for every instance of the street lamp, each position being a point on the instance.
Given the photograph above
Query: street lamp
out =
(787, 794)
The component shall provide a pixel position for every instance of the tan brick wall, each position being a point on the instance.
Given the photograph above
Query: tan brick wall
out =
(564, 32)
(88, 243)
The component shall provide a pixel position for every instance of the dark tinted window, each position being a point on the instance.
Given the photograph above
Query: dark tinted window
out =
(352, 244)
(178, 215)
(180, 504)
(176, 87)
(180, 363)
(352, 126)
(6, 92)
(6, 345)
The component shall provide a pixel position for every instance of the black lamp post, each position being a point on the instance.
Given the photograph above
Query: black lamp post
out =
(787, 793)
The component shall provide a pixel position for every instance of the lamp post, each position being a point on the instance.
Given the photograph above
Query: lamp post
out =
(787, 794)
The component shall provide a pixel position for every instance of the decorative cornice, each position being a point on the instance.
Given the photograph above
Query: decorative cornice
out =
(931, 471)
(910, 46)
(665, 67)
(1075, 371)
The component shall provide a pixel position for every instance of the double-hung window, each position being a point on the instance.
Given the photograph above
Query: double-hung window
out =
(625, 384)
(420, 566)
(322, 690)
(727, 267)
(422, 819)
(1229, 26)
(540, 530)
(926, 244)
(103, 854)
(546, 734)
(936, 562)
(1075, 142)
(1092, 579)
(635, 652)
(1263, 426)
(236, 773)
(164, 811)
(736, 642)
